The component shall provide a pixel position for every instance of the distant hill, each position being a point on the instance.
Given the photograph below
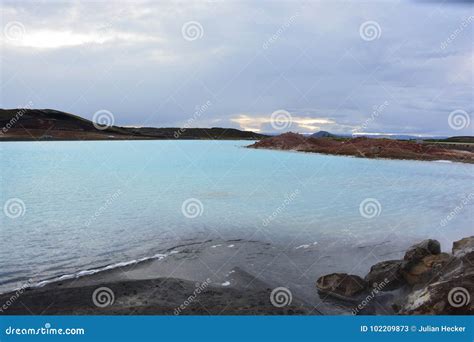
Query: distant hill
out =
(322, 134)
(49, 124)
(460, 139)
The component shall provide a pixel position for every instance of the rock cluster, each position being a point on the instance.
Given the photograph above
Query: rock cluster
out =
(428, 282)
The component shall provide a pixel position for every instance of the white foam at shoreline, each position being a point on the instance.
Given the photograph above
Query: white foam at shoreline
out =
(159, 256)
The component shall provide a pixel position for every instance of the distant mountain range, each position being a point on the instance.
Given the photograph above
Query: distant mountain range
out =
(49, 124)
(461, 139)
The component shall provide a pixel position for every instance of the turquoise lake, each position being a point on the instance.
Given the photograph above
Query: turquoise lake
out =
(286, 217)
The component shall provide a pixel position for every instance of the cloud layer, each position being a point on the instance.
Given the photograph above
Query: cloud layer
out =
(391, 66)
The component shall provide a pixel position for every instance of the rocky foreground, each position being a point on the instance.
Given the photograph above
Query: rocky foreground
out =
(426, 281)
(369, 147)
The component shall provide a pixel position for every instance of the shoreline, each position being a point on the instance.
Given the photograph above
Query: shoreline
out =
(125, 139)
(367, 148)
(440, 161)
(243, 293)
(100, 294)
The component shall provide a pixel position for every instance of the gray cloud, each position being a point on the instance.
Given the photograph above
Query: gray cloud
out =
(252, 59)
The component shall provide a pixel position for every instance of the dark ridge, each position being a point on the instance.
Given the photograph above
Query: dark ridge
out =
(48, 124)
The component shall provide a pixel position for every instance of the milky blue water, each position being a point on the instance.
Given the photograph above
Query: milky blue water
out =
(85, 205)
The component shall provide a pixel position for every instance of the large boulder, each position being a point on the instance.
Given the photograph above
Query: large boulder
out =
(341, 285)
(450, 295)
(386, 275)
(420, 250)
(428, 269)
(464, 247)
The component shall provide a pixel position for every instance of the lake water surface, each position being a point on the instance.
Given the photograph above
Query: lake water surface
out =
(204, 207)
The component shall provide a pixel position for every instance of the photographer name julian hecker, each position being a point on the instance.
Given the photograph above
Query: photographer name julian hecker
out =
(413, 328)
(442, 328)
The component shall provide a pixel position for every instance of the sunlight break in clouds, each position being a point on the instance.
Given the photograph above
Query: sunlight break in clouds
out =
(49, 39)
(257, 123)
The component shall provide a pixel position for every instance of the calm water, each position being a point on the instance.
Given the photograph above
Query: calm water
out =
(286, 217)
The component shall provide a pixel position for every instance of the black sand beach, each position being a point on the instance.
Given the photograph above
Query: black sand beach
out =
(97, 295)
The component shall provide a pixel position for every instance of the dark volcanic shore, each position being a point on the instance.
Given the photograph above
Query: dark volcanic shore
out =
(48, 124)
(99, 295)
(425, 282)
(368, 148)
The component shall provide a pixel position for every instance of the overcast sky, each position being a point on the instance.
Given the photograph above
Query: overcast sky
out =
(341, 66)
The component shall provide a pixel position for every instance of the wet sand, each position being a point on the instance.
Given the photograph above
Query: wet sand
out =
(99, 295)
